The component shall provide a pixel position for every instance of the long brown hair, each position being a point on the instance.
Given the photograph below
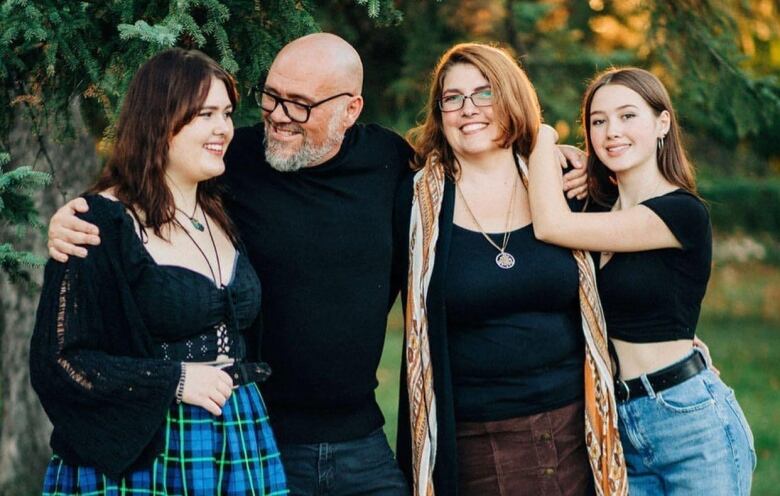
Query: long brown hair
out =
(672, 161)
(166, 93)
(515, 104)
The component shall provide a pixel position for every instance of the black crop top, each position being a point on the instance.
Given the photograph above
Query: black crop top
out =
(656, 295)
(187, 316)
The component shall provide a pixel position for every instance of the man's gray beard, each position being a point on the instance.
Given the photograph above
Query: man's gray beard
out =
(308, 155)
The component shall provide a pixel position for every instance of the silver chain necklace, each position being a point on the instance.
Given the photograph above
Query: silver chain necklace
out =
(504, 259)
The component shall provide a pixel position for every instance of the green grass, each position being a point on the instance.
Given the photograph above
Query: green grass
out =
(747, 352)
(387, 375)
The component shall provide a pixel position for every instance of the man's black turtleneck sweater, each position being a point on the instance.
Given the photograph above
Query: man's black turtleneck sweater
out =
(321, 241)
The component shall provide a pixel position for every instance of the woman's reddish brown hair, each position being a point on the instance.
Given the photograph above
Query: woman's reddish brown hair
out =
(515, 104)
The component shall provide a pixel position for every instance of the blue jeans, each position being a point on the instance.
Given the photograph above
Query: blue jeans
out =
(689, 439)
(364, 466)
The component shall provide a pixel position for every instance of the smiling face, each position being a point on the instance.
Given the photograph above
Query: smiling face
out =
(291, 145)
(196, 152)
(470, 131)
(298, 74)
(624, 129)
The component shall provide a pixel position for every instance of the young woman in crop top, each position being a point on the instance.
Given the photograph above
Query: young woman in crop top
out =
(681, 427)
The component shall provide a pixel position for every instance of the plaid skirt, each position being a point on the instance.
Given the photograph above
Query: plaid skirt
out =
(233, 454)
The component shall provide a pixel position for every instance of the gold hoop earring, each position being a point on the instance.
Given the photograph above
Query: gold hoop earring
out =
(660, 143)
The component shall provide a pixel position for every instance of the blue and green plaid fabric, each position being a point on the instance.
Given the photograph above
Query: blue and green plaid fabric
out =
(234, 454)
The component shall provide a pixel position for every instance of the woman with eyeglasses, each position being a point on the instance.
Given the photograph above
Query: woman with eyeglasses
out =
(503, 391)
(140, 354)
(683, 431)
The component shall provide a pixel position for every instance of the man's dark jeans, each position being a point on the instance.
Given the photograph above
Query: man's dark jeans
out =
(364, 466)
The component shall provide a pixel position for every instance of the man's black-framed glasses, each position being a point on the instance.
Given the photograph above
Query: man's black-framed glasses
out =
(295, 111)
(481, 98)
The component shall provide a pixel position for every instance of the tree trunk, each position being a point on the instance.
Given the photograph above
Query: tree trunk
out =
(24, 428)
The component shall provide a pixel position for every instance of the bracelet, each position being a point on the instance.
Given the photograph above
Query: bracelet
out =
(180, 386)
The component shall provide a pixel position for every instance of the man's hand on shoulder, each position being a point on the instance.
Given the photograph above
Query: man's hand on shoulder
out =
(575, 182)
(67, 232)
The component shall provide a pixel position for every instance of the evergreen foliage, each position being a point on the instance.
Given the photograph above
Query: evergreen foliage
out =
(52, 52)
(17, 210)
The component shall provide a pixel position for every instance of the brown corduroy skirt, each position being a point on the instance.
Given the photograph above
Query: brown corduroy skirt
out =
(537, 455)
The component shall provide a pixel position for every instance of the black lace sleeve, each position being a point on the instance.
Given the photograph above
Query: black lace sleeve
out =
(89, 361)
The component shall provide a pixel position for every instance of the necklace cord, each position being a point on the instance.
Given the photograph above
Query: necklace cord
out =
(218, 282)
(507, 233)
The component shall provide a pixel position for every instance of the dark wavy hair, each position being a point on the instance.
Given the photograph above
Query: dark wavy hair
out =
(166, 93)
(515, 104)
(672, 161)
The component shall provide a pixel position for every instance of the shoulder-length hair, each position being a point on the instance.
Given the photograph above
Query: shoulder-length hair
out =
(166, 93)
(515, 105)
(672, 161)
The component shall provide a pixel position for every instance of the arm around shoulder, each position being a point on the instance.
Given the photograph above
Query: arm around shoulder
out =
(68, 233)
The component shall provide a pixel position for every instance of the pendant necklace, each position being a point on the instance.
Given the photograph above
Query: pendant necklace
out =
(215, 276)
(504, 259)
(223, 338)
(193, 220)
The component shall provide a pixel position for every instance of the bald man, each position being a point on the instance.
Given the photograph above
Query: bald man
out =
(316, 217)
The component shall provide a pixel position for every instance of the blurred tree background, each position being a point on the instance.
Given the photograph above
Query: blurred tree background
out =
(64, 67)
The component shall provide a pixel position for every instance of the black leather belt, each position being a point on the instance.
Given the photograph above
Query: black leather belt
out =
(662, 379)
(244, 373)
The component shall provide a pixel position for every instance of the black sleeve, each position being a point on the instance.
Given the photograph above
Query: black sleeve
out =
(405, 152)
(685, 215)
(105, 403)
(575, 204)
(401, 212)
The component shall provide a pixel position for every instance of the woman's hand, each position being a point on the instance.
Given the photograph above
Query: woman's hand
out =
(206, 386)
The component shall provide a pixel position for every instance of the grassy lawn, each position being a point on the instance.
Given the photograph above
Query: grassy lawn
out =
(747, 352)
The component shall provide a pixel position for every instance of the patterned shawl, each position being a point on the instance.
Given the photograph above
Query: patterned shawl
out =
(601, 431)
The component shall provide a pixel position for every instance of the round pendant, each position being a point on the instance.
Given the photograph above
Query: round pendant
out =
(505, 260)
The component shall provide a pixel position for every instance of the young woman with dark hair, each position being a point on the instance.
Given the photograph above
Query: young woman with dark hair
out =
(142, 353)
(682, 429)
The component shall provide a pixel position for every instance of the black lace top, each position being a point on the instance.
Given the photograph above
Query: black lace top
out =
(188, 317)
(110, 333)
